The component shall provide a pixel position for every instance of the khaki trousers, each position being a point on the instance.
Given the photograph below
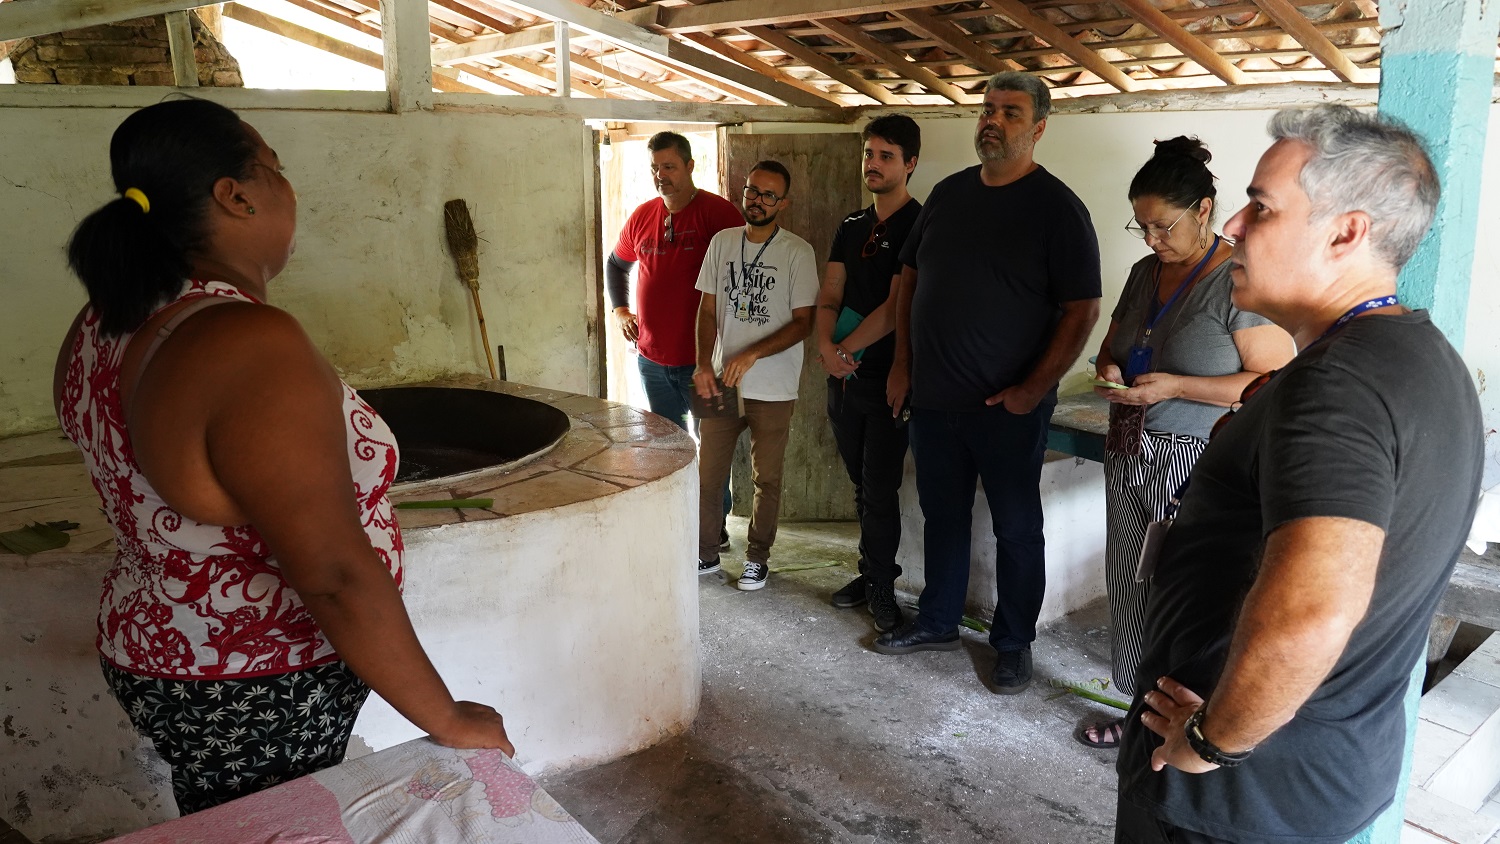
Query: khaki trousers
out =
(769, 422)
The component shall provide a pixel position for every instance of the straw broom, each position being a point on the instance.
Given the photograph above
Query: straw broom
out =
(463, 243)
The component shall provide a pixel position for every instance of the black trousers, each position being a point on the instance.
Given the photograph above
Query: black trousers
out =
(1134, 825)
(874, 453)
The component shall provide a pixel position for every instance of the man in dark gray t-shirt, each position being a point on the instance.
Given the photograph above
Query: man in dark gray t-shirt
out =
(1291, 598)
(998, 292)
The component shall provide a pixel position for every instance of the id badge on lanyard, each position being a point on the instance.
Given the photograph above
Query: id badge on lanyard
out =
(1156, 537)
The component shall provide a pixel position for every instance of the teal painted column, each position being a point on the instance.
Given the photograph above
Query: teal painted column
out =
(1437, 75)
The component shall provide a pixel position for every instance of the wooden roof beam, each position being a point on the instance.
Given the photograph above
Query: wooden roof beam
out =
(954, 40)
(590, 66)
(707, 68)
(1187, 43)
(897, 61)
(329, 44)
(29, 18)
(489, 46)
(708, 42)
(738, 14)
(824, 65)
(1295, 24)
(1044, 29)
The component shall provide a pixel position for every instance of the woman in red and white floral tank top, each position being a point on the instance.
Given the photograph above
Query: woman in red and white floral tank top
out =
(256, 590)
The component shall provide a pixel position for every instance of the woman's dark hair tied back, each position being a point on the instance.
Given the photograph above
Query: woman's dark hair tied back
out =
(173, 152)
(1177, 173)
(1184, 145)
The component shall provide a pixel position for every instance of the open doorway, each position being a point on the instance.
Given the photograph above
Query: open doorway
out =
(625, 182)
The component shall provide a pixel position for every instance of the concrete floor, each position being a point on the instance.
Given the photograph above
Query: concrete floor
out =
(807, 735)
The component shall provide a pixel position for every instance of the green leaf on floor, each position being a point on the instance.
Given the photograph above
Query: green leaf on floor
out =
(1090, 690)
(447, 504)
(967, 621)
(33, 539)
(805, 567)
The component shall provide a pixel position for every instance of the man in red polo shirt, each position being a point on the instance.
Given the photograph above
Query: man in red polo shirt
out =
(665, 239)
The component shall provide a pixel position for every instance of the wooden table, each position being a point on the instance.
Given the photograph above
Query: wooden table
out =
(1078, 426)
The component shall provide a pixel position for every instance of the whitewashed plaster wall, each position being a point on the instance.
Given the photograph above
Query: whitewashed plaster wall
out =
(372, 280)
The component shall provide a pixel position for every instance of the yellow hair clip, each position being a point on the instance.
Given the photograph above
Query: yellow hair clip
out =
(139, 198)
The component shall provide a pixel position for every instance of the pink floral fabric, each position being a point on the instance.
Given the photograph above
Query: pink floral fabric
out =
(191, 600)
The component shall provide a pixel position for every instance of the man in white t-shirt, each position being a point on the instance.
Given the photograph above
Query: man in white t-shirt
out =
(759, 286)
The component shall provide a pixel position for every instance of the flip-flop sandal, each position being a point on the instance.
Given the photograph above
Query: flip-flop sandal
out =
(1108, 733)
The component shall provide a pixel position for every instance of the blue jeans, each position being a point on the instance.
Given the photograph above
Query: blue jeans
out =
(669, 393)
(952, 451)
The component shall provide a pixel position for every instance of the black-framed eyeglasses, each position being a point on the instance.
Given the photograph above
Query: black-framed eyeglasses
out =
(753, 195)
(872, 245)
(669, 228)
(1134, 226)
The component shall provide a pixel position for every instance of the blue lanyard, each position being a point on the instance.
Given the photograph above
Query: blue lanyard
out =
(744, 267)
(1369, 305)
(1188, 282)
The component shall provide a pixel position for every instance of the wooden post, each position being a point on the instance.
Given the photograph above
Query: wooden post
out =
(180, 41)
(564, 59)
(408, 54)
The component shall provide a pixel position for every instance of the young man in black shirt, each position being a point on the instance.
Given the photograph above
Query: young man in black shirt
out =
(1291, 600)
(855, 318)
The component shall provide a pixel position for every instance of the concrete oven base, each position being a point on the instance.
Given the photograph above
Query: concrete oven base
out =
(569, 605)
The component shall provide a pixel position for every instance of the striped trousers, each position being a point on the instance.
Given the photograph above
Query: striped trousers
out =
(1137, 490)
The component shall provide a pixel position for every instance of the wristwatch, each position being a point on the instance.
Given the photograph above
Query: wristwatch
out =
(1205, 748)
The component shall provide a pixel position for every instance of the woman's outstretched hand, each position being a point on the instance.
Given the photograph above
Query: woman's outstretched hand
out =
(474, 725)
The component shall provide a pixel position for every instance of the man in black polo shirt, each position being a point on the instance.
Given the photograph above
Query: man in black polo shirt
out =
(1292, 595)
(854, 320)
(998, 294)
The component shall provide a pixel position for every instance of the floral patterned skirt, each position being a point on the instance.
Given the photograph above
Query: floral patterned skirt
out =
(227, 738)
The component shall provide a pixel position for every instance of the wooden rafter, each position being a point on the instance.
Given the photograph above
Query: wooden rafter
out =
(823, 65)
(44, 17)
(708, 42)
(590, 66)
(489, 46)
(328, 44)
(1044, 29)
(954, 40)
(899, 62)
(738, 14)
(1300, 28)
(1188, 43)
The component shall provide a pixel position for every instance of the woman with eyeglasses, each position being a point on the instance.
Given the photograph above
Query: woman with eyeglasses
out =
(1179, 352)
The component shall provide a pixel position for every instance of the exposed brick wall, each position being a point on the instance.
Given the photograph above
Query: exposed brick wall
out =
(127, 53)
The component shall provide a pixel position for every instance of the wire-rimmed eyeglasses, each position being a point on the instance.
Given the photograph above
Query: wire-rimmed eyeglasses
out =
(1134, 227)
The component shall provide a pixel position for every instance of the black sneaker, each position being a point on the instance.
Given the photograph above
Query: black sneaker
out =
(724, 540)
(854, 593)
(883, 606)
(708, 566)
(1012, 672)
(754, 576)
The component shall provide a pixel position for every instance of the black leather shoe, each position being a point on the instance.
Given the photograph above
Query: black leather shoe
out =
(883, 606)
(1012, 672)
(911, 638)
(854, 593)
